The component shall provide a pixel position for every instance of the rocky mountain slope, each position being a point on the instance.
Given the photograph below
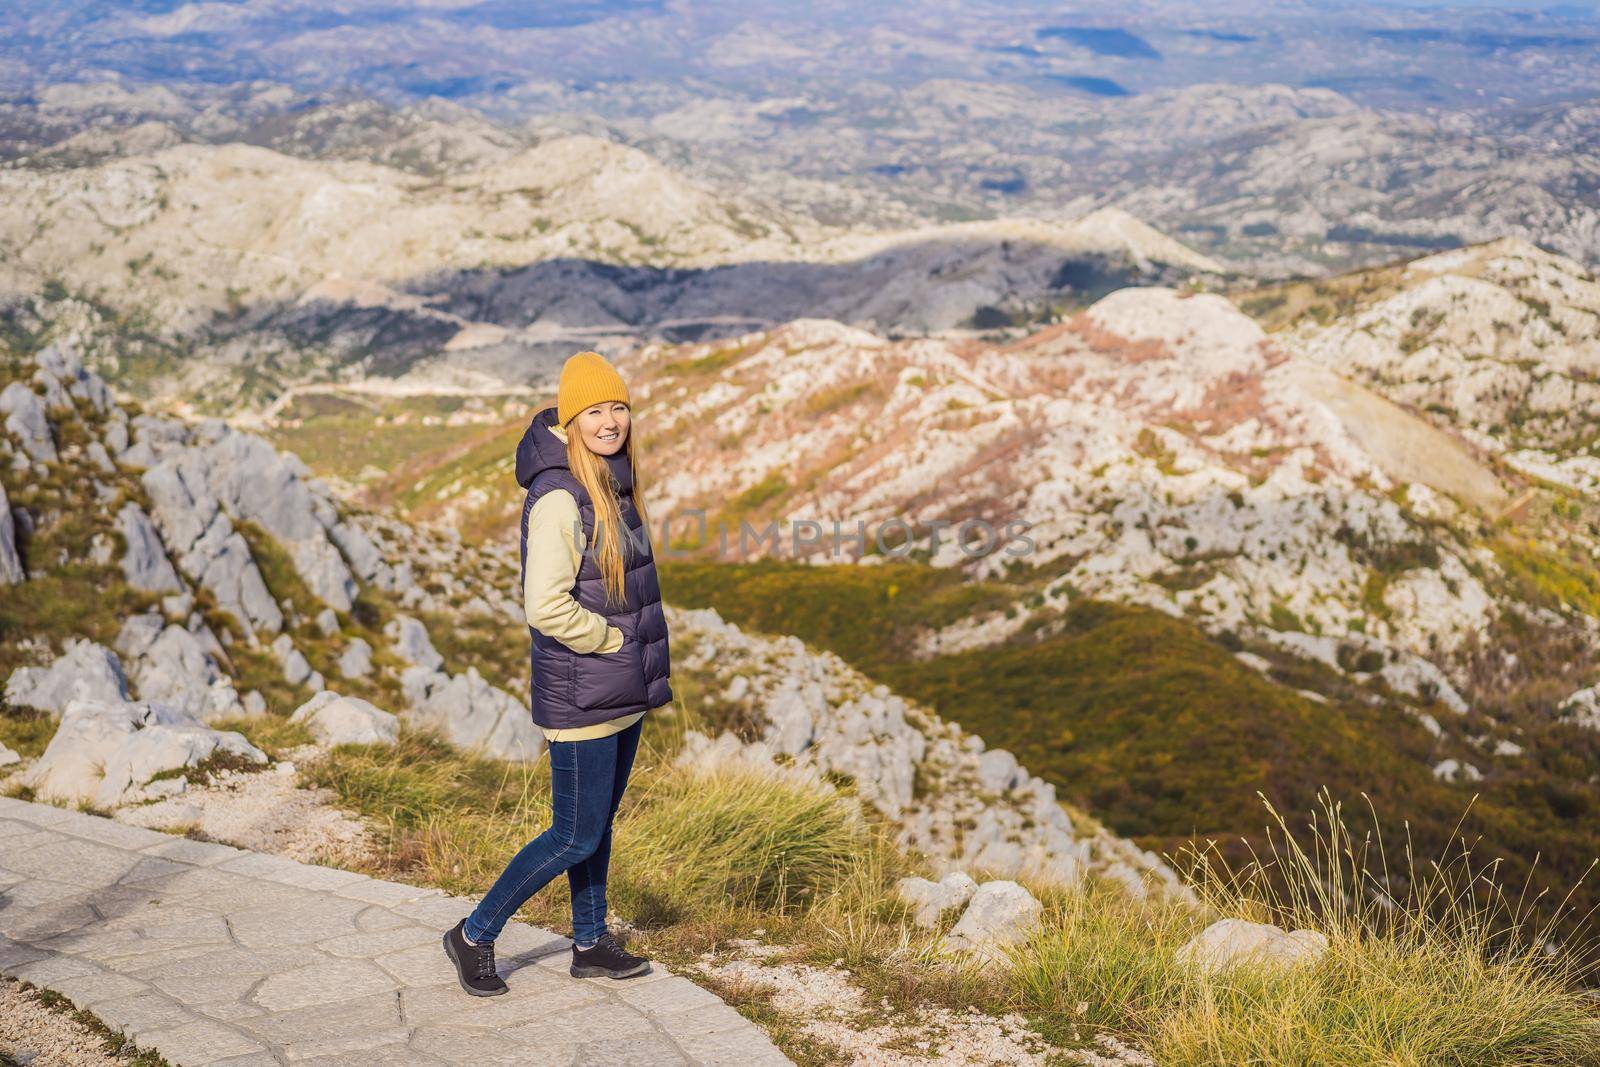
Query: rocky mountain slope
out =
(237, 588)
(256, 268)
(1500, 342)
(1287, 495)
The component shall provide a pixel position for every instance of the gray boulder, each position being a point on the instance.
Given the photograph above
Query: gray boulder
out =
(1001, 914)
(358, 548)
(412, 643)
(25, 420)
(100, 457)
(85, 671)
(255, 481)
(11, 571)
(178, 668)
(471, 714)
(7, 756)
(327, 622)
(343, 720)
(932, 899)
(356, 662)
(138, 633)
(296, 668)
(208, 548)
(116, 434)
(107, 753)
(998, 771)
(145, 562)
(61, 370)
(1230, 943)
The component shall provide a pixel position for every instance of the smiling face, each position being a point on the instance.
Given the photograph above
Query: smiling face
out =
(603, 427)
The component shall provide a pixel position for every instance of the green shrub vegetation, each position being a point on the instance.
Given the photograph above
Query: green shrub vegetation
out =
(1155, 727)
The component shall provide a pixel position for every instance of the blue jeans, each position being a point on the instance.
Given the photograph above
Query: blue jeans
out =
(586, 783)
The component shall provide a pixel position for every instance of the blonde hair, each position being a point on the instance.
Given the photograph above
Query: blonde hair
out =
(610, 531)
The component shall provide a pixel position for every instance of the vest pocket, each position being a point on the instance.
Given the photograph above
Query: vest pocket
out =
(610, 679)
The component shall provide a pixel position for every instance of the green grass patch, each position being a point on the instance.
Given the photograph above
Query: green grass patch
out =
(1559, 578)
(26, 731)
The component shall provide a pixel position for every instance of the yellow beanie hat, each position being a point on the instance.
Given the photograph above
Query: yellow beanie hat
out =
(588, 379)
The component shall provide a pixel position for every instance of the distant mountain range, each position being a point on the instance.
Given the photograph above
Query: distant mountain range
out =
(1281, 139)
(260, 268)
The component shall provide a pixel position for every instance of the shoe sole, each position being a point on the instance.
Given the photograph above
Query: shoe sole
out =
(449, 950)
(601, 972)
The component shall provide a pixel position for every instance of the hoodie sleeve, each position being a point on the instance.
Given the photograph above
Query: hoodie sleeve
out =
(555, 549)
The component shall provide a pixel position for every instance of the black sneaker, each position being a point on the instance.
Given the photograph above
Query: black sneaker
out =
(607, 959)
(474, 963)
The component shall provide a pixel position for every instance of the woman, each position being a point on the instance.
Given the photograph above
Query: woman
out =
(599, 662)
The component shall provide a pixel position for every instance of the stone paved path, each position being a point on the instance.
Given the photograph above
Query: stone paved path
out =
(212, 955)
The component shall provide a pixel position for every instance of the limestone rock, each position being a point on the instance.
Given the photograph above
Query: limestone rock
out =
(61, 370)
(85, 671)
(207, 546)
(138, 633)
(932, 899)
(411, 642)
(145, 563)
(1000, 914)
(296, 668)
(1583, 707)
(11, 571)
(7, 756)
(1237, 942)
(471, 714)
(178, 667)
(1454, 770)
(998, 770)
(25, 420)
(107, 752)
(344, 720)
(358, 548)
(356, 661)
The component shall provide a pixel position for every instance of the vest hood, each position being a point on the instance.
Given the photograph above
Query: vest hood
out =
(543, 447)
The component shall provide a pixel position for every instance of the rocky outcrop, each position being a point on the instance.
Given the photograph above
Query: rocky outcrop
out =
(297, 669)
(208, 548)
(956, 802)
(201, 478)
(930, 899)
(356, 660)
(471, 714)
(1583, 707)
(25, 420)
(1231, 943)
(11, 571)
(85, 671)
(412, 643)
(342, 720)
(179, 666)
(1000, 914)
(111, 753)
(144, 562)
(60, 372)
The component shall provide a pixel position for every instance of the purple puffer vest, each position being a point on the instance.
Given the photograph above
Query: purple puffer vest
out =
(571, 689)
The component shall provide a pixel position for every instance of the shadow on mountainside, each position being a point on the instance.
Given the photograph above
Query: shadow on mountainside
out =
(533, 315)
